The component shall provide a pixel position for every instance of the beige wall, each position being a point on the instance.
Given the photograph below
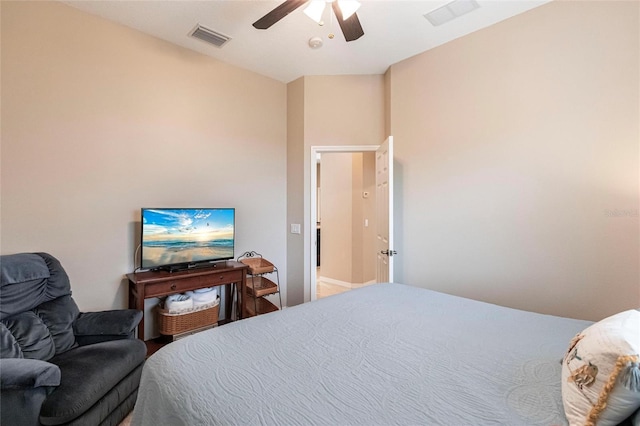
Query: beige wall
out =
(344, 110)
(99, 120)
(338, 233)
(337, 111)
(518, 152)
(356, 218)
(295, 191)
(364, 209)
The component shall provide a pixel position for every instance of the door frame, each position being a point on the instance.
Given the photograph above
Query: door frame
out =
(311, 264)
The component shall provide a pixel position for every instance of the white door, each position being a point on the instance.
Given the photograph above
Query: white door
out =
(384, 211)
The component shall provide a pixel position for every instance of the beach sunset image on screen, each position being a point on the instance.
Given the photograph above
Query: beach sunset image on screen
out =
(178, 236)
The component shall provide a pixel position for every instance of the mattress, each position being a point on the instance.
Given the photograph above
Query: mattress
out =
(381, 355)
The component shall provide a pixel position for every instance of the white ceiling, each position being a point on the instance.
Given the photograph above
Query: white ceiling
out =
(394, 30)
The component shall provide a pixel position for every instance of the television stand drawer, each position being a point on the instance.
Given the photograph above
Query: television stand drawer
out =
(181, 284)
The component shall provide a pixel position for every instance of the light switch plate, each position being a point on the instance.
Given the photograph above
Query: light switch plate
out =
(295, 228)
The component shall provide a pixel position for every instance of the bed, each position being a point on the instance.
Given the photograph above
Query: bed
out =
(383, 354)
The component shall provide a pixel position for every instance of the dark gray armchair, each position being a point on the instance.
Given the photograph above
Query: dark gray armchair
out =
(59, 366)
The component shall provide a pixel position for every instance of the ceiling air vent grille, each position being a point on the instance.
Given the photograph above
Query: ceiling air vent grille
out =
(450, 11)
(210, 36)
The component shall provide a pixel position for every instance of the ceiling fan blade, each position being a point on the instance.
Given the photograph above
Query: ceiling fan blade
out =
(350, 27)
(278, 13)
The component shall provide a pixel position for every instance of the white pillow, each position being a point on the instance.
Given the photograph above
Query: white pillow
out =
(601, 372)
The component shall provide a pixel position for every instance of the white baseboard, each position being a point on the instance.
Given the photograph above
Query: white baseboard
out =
(336, 282)
(344, 283)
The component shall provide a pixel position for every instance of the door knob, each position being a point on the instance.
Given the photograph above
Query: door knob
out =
(389, 252)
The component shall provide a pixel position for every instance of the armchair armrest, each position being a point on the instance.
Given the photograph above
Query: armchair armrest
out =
(25, 384)
(94, 327)
(19, 373)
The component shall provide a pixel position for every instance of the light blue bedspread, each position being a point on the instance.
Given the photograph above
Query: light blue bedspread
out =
(381, 355)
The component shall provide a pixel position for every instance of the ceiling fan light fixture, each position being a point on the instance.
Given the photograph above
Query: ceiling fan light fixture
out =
(315, 9)
(348, 7)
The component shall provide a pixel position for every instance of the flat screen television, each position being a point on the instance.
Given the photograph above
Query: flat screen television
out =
(182, 238)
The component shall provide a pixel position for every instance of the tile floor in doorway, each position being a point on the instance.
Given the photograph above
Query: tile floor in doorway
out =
(324, 289)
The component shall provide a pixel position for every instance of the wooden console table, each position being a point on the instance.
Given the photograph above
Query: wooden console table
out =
(144, 285)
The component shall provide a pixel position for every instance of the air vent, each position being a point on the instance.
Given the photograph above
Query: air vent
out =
(210, 36)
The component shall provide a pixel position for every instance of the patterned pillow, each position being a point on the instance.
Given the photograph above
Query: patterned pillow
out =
(601, 372)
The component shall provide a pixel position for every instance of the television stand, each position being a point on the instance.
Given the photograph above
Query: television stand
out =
(145, 285)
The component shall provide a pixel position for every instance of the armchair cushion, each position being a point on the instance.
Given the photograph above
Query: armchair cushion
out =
(88, 373)
(39, 333)
(36, 309)
(24, 336)
(94, 327)
(30, 279)
(58, 316)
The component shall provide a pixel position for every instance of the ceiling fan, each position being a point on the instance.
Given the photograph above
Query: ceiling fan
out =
(343, 9)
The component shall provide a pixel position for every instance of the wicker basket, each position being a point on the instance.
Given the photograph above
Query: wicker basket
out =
(171, 324)
(258, 265)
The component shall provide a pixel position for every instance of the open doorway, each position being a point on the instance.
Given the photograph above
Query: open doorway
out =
(346, 222)
(383, 247)
(344, 169)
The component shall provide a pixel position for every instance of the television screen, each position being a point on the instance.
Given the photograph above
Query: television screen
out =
(185, 236)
